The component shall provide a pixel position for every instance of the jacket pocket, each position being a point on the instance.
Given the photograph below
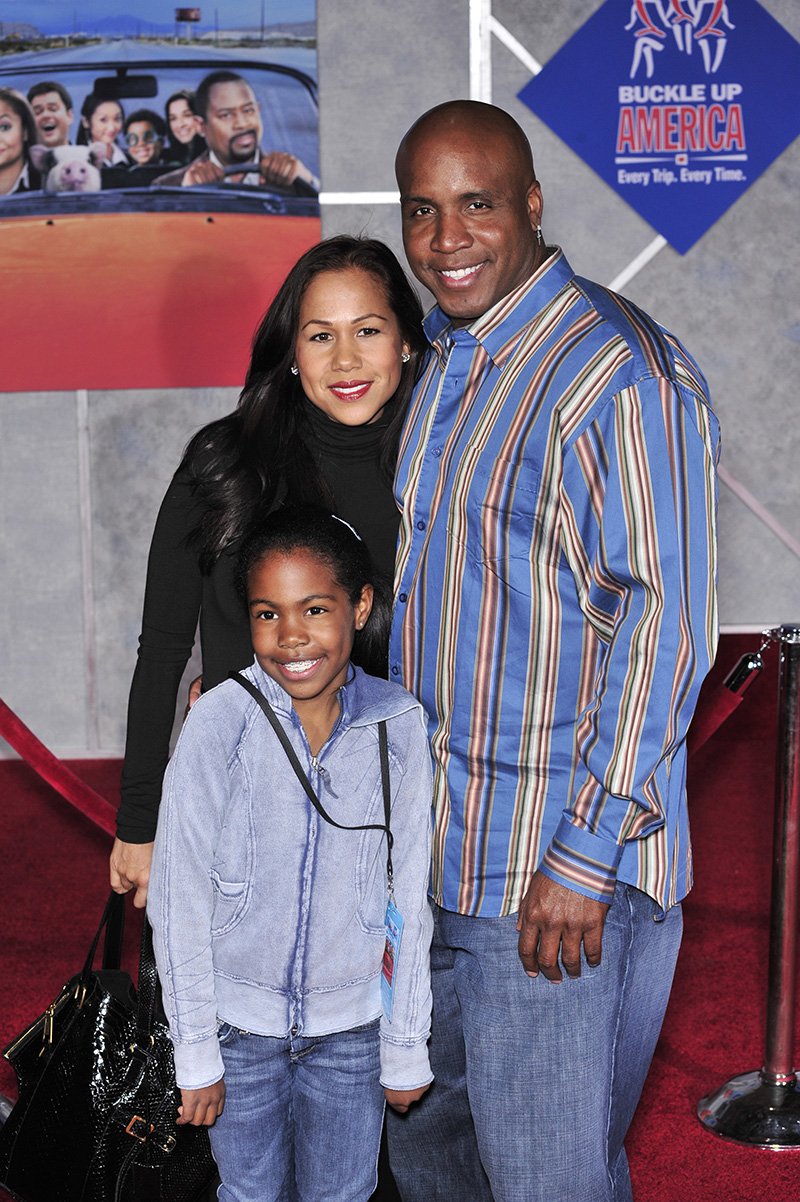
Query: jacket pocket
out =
(370, 880)
(231, 902)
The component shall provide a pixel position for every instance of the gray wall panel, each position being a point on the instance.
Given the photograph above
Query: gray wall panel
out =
(42, 673)
(380, 65)
(137, 439)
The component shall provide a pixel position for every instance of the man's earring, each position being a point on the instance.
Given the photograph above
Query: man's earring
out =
(539, 238)
(294, 369)
(405, 356)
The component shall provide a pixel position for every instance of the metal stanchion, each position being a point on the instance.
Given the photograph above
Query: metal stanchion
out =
(762, 1108)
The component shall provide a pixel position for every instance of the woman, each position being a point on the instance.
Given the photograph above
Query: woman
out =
(183, 124)
(332, 369)
(102, 121)
(17, 135)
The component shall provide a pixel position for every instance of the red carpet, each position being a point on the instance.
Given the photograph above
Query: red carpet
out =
(55, 887)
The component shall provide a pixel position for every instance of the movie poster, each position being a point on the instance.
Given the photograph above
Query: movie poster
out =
(159, 175)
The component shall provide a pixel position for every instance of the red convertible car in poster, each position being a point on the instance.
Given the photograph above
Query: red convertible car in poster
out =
(138, 285)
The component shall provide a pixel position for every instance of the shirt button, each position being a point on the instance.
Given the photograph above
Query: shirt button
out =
(437, 452)
(403, 597)
(420, 525)
(395, 670)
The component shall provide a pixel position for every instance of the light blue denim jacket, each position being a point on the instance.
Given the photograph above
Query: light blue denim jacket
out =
(267, 917)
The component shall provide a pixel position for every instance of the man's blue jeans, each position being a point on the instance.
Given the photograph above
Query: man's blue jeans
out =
(302, 1118)
(536, 1083)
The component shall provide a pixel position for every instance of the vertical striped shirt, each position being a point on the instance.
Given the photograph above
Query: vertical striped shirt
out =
(555, 591)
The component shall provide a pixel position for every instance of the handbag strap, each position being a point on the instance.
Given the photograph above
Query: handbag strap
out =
(147, 991)
(383, 745)
(113, 922)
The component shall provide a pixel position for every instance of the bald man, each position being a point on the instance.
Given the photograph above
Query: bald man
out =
(555, 615)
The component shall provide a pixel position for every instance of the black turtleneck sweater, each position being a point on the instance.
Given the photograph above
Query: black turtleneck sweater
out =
(177, 593)
(348, 458)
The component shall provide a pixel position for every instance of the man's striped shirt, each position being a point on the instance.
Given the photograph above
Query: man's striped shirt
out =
(555, 591)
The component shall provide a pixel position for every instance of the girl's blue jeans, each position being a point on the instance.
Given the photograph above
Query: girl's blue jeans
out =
(302, 1118)
(536, 1083)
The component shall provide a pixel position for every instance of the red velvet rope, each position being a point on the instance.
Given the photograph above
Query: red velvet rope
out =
(716, 709)
(50, 769)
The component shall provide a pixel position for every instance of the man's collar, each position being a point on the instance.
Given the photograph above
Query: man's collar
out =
(500, 328)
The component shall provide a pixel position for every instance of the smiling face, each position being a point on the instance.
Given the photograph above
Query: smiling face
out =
(232, 125)
(349, 346)
(53, 119)
(302, 625)
(143, 142)
(470, 208)
(12, 139)
(183, 123)
(105, 123)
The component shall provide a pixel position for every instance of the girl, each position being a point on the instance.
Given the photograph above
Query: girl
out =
(268, 918)
(102, 121)
(333, 365)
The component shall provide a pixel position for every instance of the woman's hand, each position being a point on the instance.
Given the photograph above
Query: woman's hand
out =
(401, 1099)
(201, 1107)
(130, 869)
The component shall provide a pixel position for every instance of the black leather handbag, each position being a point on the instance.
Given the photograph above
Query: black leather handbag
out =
(95, 1120)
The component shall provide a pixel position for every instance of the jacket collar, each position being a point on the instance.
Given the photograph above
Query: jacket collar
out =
(365, 700)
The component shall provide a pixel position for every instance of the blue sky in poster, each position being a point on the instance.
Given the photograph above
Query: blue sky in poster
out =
(61, 16)
(679, 105)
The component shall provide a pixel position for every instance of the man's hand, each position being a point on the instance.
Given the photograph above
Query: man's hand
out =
(401, 1099)
(202, 173)
(195, 693)
(553, 918)
(201, 1107)
(130, 869)
(278, 168)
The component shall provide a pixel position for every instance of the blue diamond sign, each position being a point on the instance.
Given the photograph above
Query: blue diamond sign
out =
(678, 104)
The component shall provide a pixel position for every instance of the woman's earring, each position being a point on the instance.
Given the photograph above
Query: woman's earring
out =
(405, 356)
(294, 369)
(539, 237)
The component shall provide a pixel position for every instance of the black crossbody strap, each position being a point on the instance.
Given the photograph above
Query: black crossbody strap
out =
(383, 744)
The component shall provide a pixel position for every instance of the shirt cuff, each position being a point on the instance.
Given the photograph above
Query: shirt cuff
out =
(198, 1064)
(405, 1066)
(582, 861)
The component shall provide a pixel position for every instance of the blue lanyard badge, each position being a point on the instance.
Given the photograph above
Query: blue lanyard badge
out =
(391, 953)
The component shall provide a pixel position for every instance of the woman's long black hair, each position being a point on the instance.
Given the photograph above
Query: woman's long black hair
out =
(334, 541)
(262, 453)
